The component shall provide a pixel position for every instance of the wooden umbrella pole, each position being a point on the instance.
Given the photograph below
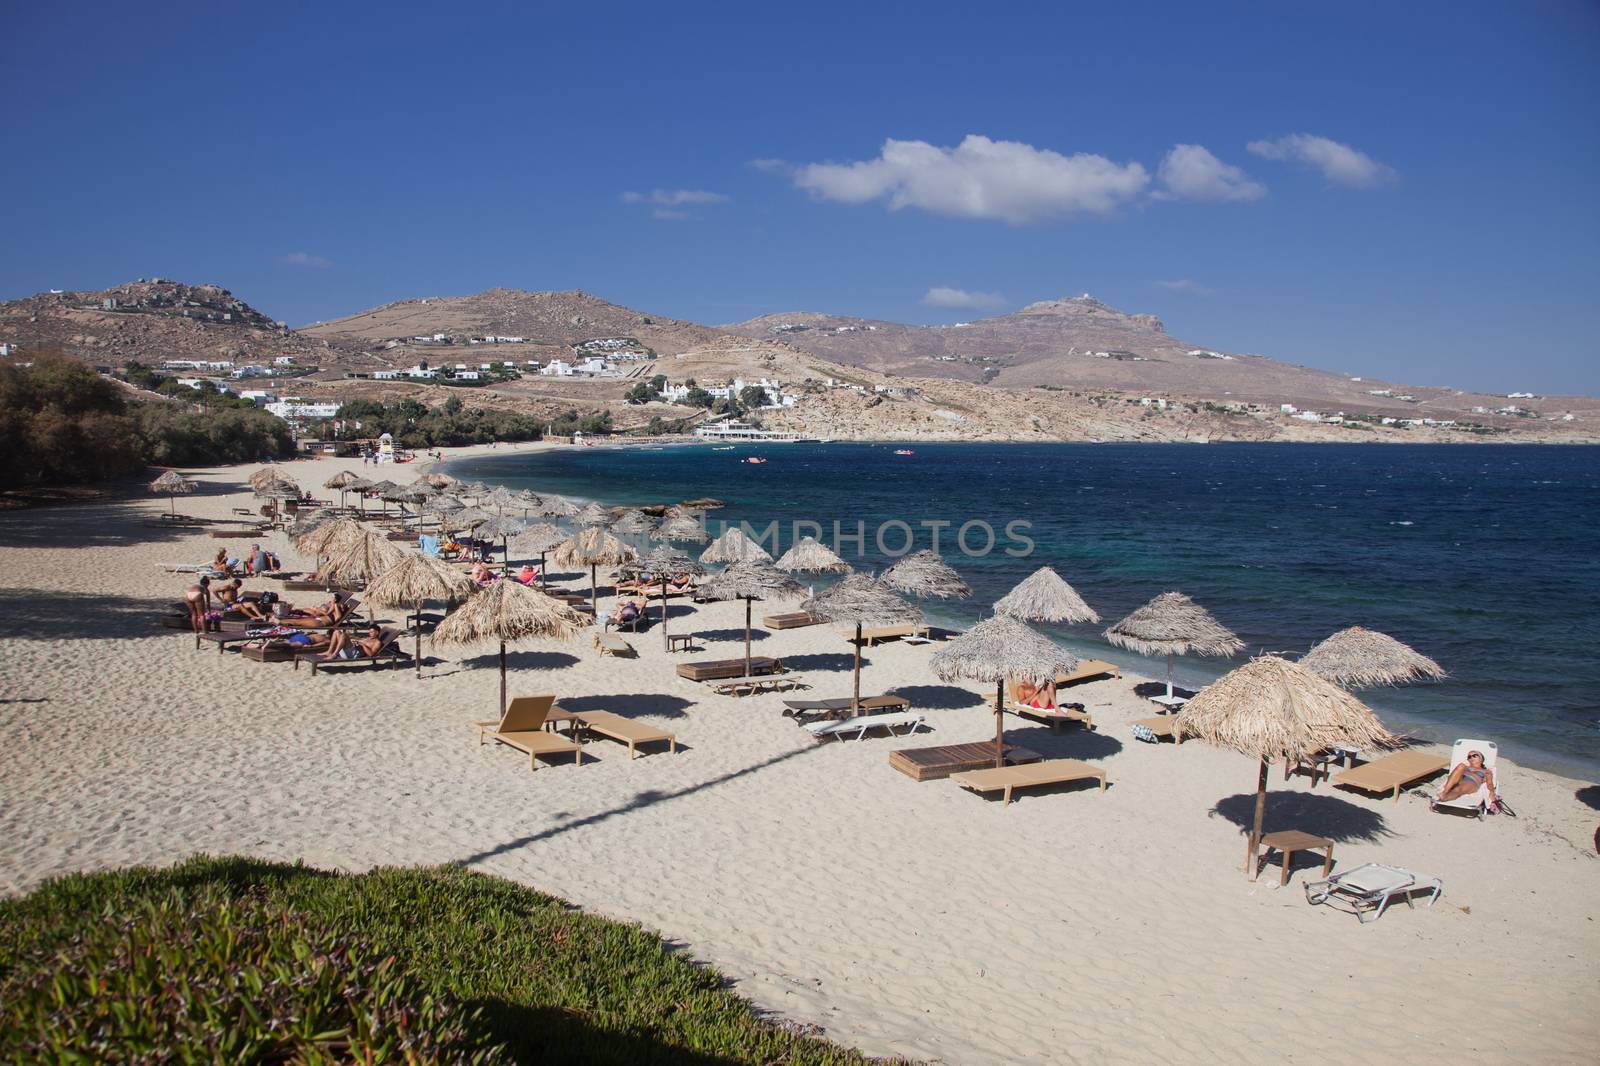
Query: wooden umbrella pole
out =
(416, 620)
(664, 642)
(747, 602)
(1261, 810)
(999, 724)
(855, 695)
(502, 679)
(1169, 675)
(594, 596)
(544, 579)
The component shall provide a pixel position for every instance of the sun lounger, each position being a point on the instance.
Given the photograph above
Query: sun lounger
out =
(611, 644)
(1473, 802)
(389, 653)
(632, 733)
(1157, 728)
(750, 684)
(940, 761)
(1087, 669)
(791, 620)
(1046, 772)
(714, 669)
(1366, 890)
(1055, 717)
(800, 709)
(1393, 772)
(874, 634)
(522, 727)
(859, 725)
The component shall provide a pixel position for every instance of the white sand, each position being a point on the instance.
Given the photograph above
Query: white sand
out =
(905, 918)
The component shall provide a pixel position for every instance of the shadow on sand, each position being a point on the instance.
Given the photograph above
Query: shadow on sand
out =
(937, 697)
(47, 614)
(631, 704)
(1324, 816)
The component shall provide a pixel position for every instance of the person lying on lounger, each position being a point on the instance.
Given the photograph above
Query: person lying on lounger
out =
(1467, 778)
(628, 612)
(1040, 697)
(483, 575)
(341, 645)
(330, 613)
(527, 575)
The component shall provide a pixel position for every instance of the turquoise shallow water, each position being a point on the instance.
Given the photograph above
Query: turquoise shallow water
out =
(1485, 557)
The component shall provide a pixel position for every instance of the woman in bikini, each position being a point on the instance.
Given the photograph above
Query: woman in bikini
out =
(198, 601)
(1041, 697)
(1467, 778)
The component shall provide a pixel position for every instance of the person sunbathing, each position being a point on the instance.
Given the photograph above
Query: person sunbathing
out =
(253, 611)
(483, 575)
(228, 593)
(629, 612)
(219, 562)
(341, 644)
(527, 575)
(330, 613)
(1467, 778)
(1039, 697)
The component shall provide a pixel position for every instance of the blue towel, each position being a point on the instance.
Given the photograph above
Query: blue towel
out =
(429, 544)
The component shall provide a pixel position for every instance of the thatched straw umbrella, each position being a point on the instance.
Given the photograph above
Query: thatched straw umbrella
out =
(363, 558)
(360, 486)
(508, 611)
(277, 491)
(732, 547)
(266, 475)
(1272, 709)
(861, 600)
(1173, 624)
(749, 581)
(309, 521)
(811, 556)
(683, 528)
(663, 561)
(998, 648)
(380, 489)
(435, 481)
(326, 538)
(172, 483)
(594, 548)
(505, 527)
(551, 506)
(924, 574)
(1045, 597)
(633, 522)
(1360, 658)
(416, 578)
(341, 483)
(591, 514)
(539, 539)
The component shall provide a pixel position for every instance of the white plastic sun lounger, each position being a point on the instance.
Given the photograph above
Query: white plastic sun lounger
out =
(1474, 802)
(1366, 890)
(859, 725)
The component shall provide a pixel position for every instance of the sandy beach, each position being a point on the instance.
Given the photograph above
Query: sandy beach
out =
(904, 918)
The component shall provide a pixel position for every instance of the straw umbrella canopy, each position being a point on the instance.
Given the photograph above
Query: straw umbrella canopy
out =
(634, 521)
(1360, 658)
(1270, 709)
(173, 484)
(360, 486)
(683, 528)
(307, 521)
(1173, 624)
(998, 648)
(811, 556)
(278, 490)
(750, 580)
(506, 612)
(266, 475)
(341, 483)
(505, 527)
(594, 548)
(732, 547)
(416, 578)
(1044, 596)
(435, 481)
(326, 538)
(861, 599)
(381, 489)
(591, 514)
(363, 558)
(552, 506)
(540, 539)
(924, 574)
(500, 498)
(661, 561)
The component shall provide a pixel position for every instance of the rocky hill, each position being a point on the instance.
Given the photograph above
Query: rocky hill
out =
(154, 319)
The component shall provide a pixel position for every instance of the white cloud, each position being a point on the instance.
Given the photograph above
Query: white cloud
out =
(674, 197)
(1185, 285)
(1339, 163)
(304, 259)
(1190, 172)
(772, 166)
(668, 214)
(979, 178)
(962, 300)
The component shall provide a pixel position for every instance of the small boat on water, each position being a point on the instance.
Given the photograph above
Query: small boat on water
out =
(755, 459)
(904, 451)
(723, 448)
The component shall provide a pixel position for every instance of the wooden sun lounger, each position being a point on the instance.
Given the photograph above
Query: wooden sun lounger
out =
(389, 653)
(1162, 727)
(1055, 717)
(611, 644)
(872, 635)
(522, 728)
(931, 764)
(801, 709)
(714, 669)
(1047, 772)
(1089, 668)
(632, 733)
(791, 620)
(1393, 772)
(750, 684)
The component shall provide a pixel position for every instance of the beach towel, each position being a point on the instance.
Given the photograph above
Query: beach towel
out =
(429, 544)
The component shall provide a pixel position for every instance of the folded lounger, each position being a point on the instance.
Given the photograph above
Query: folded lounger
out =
(522, 727)
(632, 733)
(1473, 802)
(1366, 890)
(1392, 772)
(841, 727)
(1045, 772)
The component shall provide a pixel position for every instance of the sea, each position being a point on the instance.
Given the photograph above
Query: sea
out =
(1484, 557)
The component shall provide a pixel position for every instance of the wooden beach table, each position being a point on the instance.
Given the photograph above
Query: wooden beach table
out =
(1286, 844)
(1393, 772)
(715, 669)
(940, 761)
(1046, 772)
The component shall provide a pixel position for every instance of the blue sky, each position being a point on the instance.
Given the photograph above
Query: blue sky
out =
(1401, 189)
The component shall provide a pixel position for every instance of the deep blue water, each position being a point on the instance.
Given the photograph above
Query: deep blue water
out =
(1486, 558)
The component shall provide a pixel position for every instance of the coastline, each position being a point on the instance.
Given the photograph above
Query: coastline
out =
(901, 917)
